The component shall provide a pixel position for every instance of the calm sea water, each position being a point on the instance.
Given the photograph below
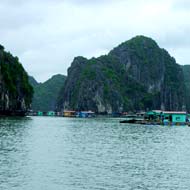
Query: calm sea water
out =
(44, 153)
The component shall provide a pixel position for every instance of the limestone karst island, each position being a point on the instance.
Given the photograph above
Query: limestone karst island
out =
(135, 78)
(94, 95)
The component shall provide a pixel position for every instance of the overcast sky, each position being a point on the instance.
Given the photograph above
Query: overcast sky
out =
(47, 34)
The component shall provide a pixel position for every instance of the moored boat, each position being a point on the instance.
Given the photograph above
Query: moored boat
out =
(158, 117)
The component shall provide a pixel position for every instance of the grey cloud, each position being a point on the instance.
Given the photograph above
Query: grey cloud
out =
(47, 34)
(176, 39)
(181, 5)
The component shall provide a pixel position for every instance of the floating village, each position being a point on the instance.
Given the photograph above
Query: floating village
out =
(66, 113)
(153, 117)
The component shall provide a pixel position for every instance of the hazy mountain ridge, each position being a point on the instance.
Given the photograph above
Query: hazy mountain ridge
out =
(46, 94)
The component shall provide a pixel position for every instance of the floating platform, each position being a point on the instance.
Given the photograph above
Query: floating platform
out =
(148, 122)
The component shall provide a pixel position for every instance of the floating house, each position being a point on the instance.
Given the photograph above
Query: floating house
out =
(68, 113)
(159, 117)
(40, 113)
(51, 113)
(153, 115)
(85, 114)
(174, 117)
(167, 117)
(32, 113)
(58, 113)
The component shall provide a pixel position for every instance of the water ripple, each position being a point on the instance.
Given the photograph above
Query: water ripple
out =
(45, 153)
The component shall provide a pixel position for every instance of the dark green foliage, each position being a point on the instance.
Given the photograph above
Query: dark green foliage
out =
(46, 94)
(186, 72)
(136, 75)
(1, 47)
(14, 82)
(88, 74)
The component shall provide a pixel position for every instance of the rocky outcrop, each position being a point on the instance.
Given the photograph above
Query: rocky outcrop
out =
(15, 90)
(136, 75)
(186, 72)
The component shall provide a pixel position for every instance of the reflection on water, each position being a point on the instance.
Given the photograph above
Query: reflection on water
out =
(75, 154)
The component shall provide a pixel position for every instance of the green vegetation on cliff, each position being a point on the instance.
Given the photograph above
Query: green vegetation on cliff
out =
(136, 75)
(15, 91)
(186, 71)
(45, 94)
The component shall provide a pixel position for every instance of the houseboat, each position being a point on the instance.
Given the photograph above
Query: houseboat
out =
(85, 114)
(40, 113)
(51, 113)
(174, 118)
(69, 113)
(159, 117)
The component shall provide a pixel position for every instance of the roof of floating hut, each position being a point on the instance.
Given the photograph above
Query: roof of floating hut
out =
(51, 112)
(158, 112)
(69, 111)
(154, 112)
(87, 112)
(175, 112)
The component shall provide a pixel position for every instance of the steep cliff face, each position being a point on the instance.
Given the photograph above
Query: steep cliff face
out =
(15, 90)
(186, 71)
(136, 75)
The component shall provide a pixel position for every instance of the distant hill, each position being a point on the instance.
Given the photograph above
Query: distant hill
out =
(45, 94)
(136, 75)
(33, 81)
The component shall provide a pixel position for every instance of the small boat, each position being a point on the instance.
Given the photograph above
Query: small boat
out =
(159, 117)
(85, 114)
